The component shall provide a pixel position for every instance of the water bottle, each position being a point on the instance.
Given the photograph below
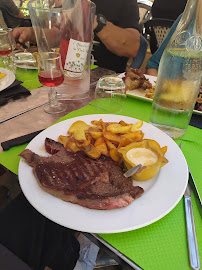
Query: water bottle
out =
(180, 74)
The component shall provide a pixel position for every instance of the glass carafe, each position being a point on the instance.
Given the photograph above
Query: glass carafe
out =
(67, 30)
(179, 74)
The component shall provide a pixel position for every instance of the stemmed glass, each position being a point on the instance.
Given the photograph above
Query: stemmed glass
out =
(5, 45)
(50, 74)
(11, 38)
(110, 94)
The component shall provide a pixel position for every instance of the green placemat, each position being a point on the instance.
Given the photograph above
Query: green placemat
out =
(163, 244)
(29, 77)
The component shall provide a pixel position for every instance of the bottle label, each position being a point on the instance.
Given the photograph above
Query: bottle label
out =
(76, 57)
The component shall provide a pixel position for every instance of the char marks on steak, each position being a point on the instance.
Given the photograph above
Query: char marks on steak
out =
(77, 178)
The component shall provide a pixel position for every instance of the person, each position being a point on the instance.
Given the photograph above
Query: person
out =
(10, 6)
(116, 31)
(167, 9)
(153, 62)
(36, 240)
(119, 39)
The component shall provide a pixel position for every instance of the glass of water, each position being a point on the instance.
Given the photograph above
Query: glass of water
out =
(110, 94)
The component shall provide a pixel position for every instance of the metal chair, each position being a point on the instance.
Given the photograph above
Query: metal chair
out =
(13, 21)
(157, 29)
(138, 60)
(144, 13)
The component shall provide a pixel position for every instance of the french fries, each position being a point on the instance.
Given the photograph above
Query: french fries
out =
(101, 138)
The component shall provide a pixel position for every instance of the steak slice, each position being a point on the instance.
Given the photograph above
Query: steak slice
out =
(77, 178)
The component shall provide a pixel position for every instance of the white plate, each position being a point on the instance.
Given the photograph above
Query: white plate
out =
(7, 80)
(161, 195)
(140, 93)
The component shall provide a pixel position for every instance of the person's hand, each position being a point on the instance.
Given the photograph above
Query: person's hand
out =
(24, 34)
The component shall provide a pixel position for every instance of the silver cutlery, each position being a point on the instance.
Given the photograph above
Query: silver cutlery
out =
(191, 233)
(132, 170)
(195, 191)
(20, 113)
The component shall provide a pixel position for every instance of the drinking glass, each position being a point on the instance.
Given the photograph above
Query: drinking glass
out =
(110, 94)
(11, 38)
(5, 46)
(50, 74)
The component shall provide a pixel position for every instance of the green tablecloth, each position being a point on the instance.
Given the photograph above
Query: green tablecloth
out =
(163, 244)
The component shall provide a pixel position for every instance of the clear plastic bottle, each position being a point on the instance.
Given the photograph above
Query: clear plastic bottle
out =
(180, 74)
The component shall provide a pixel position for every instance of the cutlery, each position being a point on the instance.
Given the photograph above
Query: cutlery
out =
(132, 170)
(195, 191)
(20, 113)
(191, 233)
(20, 140)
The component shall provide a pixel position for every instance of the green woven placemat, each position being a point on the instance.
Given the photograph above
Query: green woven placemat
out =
(163, 244)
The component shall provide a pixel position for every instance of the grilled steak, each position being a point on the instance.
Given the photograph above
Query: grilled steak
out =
(76, 178)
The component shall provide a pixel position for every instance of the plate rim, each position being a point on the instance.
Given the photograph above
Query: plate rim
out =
(103, 230)
(7, 71)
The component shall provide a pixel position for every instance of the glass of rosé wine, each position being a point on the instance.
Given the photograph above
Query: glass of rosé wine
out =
(50, 74)
(5, 45)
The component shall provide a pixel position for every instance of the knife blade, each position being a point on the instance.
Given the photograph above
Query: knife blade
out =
(195, 191)
(132, 170)
(20, 113)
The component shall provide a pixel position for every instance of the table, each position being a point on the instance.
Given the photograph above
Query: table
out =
(161, 245)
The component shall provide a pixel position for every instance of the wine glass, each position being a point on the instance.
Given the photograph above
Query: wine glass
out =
(5, 45)
(11, 38)
(10, 62)
(110, 94)
(50, 74)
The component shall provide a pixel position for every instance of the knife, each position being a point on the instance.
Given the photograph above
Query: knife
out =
(20, 140)
(132, 170)
(20, 113)
(195, 191)
(191, 233)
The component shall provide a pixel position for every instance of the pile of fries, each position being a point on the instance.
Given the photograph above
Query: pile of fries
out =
(149, 93)
(101, 137)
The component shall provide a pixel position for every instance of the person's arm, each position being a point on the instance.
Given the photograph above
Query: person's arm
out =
(13, 9)
(154, 60)
(120, 41)
(20, 15)
(152, 72)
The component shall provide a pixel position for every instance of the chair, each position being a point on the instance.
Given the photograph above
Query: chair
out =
(13, 21)
(157, 29)
(144, 13)
(138, 60)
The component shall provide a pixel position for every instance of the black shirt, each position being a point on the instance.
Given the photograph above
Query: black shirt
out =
(168, 9)
(122, 13)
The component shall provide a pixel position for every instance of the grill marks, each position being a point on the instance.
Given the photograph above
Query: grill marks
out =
(75, 177)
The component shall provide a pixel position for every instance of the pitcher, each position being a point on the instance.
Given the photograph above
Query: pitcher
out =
(67, 29)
